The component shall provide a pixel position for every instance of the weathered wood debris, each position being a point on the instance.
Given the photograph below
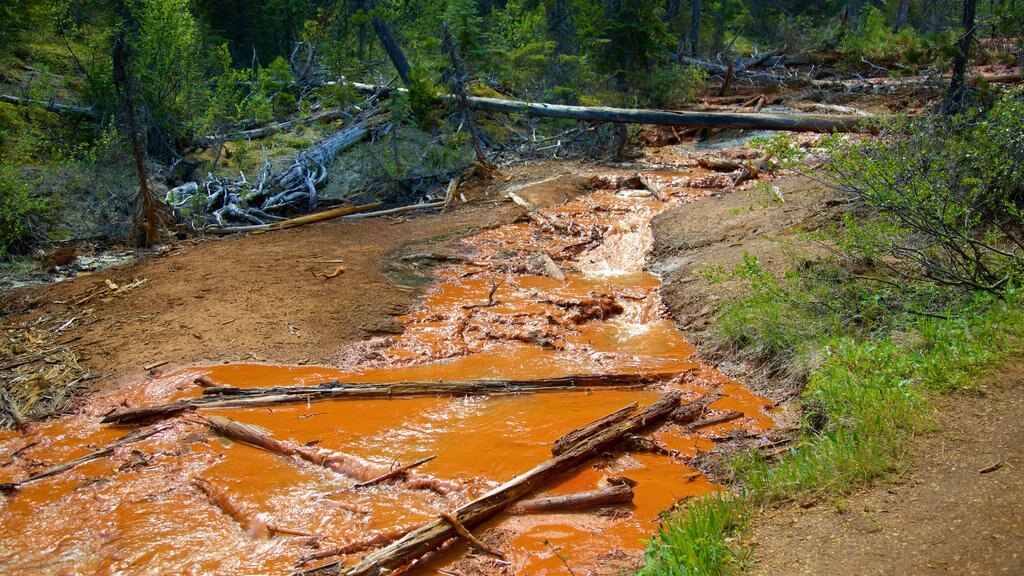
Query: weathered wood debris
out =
(426, 538)
(227, 397)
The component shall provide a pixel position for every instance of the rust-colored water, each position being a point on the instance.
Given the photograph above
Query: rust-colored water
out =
(138, 511)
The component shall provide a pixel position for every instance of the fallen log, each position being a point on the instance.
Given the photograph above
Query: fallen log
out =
(617, 494)
(131, 437)
(731, 120)
(299, 221)
(345, 464)
(271, 129)
(400, 209)
(737, 120)
(576, 436)
(227, 397)
(432, 535)
(86, 112)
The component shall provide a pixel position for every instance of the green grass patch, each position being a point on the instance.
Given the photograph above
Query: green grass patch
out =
(864, 401)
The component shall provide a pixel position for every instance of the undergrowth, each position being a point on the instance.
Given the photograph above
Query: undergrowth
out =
(889, 319)
(865, 401)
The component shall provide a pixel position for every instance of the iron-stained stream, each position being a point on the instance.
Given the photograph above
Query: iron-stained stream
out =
(139, 512)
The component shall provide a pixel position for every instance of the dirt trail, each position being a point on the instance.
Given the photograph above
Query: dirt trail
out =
(946, 517)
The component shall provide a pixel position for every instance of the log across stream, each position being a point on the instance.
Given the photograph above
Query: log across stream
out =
(137, 509)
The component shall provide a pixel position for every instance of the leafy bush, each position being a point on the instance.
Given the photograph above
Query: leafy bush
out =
(938, 199)
(20, 210)
(876, 43)
(672, 86)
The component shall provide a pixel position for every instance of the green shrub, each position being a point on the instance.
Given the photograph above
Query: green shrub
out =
(938, 199)
(20, 210)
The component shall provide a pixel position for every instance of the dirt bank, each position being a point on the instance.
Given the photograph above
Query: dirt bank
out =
(715, 235)
(256, 297)
(947, 516)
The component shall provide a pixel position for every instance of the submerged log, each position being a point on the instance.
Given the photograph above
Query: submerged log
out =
(131, 437)
(432, 535)
(616, 494)
(226, 397)
(727, 417)
(345, 464)
(376, 539)
(252, 522)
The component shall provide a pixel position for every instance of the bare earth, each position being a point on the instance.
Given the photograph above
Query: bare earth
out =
(256, 298)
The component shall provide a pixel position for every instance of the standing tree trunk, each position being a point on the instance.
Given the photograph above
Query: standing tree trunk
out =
(126, 104)
(902, 12)
(694, 27)
(956, 99)
(390, 45)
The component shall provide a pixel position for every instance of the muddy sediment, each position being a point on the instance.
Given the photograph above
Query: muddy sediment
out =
(487, 316)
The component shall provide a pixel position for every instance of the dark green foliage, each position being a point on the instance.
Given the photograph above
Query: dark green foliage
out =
(941, 199)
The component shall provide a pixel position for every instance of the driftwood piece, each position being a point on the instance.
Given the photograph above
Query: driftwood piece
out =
(430, 536)
(566, 442)
(131, 437)
(398, 210)
(399, 471)
(346, 464)
(727, 417)
(690, 412)
(615, 494)
(299, 221)
(226, 397)
(473, 540)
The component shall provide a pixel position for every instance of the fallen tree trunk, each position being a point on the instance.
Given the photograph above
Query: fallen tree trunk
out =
(299, 221)
(617, 494)
(737, 120)
(131, 437)
(271, 129)
(573, 438)
(345, 464)
(432, 535)
(86, 112)
(226, 397)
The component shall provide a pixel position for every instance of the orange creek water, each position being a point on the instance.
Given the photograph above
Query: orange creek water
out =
(139, 511)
